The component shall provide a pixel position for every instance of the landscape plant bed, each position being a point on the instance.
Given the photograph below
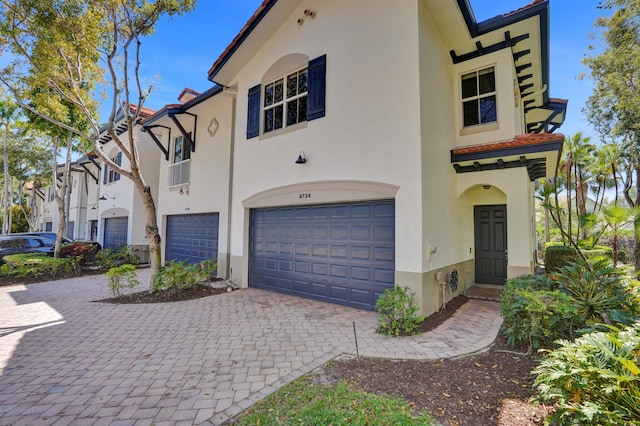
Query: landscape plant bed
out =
(490, 388)
(436, 319)
(194, 292)
(13, 280)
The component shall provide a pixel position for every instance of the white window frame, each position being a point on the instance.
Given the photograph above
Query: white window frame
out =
(180, 169)
(284, 102)
(112, 175)
(478, 96)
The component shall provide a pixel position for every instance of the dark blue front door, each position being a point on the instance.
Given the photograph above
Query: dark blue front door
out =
(339, 253)
(192, 237)
(491, 244)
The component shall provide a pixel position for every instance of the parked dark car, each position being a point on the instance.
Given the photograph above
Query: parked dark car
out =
(52, 236)
(17, 243)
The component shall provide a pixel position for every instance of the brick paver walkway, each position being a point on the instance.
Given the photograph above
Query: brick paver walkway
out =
(67, 360)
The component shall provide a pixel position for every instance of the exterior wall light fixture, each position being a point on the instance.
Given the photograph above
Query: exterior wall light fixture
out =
(301, 158)
(486, 187)
(106, 197)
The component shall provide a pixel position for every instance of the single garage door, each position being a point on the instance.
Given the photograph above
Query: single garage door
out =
(192, 237)
(339, 253)
(115, 231)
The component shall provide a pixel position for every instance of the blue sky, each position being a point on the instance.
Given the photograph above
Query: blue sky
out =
(183, 49)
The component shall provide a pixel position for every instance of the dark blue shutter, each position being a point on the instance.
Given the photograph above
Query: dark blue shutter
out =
(106, 173)
(253, 114)
(317, 87)
(119, 163)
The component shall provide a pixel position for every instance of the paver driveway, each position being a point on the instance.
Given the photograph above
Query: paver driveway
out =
(67, 360)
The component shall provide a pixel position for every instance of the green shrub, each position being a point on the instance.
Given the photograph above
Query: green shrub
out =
(534, 313)
(175, 276)
(122, 254)
(556, 256)
(83, 252)
(397, 309)
(121, 277)
(209, 268)
(36, 265)
(599, 293)
(593, 380)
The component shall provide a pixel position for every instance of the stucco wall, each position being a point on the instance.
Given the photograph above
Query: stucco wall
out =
(208, 188)
(371, 129)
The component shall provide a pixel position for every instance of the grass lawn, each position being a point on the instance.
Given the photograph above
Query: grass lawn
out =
(303, 403)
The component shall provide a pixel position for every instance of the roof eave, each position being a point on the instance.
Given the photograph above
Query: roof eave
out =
(240, 38)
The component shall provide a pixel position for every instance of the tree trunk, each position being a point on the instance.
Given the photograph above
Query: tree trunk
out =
(60, 195)
(152, 232)
(5, 203)
(10, 227)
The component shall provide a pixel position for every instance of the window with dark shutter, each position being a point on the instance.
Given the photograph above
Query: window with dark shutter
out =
(253, 114)
(317, 88)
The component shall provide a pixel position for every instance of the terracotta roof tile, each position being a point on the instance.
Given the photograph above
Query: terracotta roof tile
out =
(144, 112)
(559, 100)
(240, 35)
(533, 3)
(188, 90)
(518, 141)
(159, 112)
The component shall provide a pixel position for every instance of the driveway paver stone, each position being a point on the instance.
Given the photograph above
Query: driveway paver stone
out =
(67, 360)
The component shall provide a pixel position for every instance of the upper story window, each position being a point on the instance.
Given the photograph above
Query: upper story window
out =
(180, 168)
(285, 101)
(479, 97)
(287, 98)
(110, 174)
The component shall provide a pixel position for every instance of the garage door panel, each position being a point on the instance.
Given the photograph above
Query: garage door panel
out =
(360, 253)
(319, 269)
(319, 212)
(192, 237)
(339, 271)
(320, 290)
(382, 276)
(360, 232)
(360, 273)
(384, 254)
(361, 211)
(342, 253)
(338, 212)
(339, 252)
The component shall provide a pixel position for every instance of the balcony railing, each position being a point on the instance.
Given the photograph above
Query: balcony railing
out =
(179, 173)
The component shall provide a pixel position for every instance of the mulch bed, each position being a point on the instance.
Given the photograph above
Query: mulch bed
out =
(194, 292)
(434, 320)
(10, 280)
(490, 388)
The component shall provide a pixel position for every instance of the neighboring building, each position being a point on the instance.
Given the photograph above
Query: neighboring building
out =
(120, 212)
(195, 138)
(364, 144)
(45, 209)
(91, 187)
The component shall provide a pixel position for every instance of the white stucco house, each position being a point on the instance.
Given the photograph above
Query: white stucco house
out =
(44, 209)
(348, 147)
(120, 213)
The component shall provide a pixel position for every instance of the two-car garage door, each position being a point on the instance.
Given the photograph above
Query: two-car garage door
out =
(339, 253)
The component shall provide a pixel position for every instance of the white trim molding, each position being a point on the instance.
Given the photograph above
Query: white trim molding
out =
(321, 192)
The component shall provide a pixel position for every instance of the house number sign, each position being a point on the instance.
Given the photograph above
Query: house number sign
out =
(304, 195)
